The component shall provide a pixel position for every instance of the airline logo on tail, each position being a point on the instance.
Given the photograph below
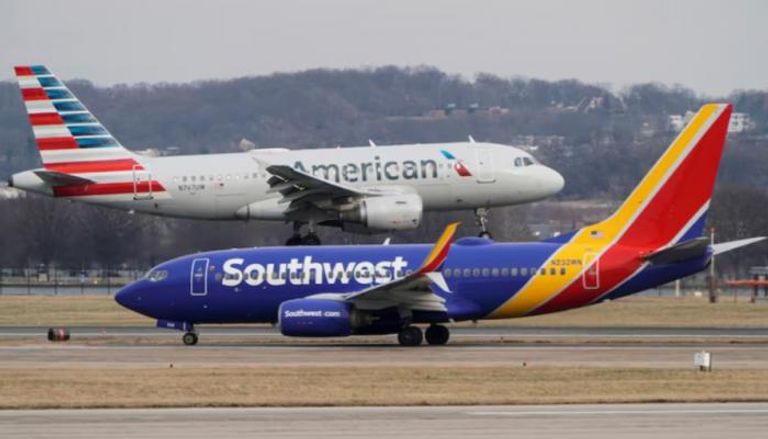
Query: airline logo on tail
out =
(667, 207)
(458, 165)
(73, 142)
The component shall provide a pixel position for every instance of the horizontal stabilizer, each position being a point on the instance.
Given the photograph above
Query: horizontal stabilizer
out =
(680, 252)
(723, 247)
(61, 179)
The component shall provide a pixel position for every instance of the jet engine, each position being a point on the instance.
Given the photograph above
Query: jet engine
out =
(332, 318)
(384, 213)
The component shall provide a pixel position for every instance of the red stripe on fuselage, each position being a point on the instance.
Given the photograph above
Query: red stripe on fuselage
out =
(681, 197)
(82, 190)
(50, 143)
(33, 94)
(95, 166)
(45, 119)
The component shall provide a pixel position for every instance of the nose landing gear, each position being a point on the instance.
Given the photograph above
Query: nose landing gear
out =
(481, 218)
(189, 338)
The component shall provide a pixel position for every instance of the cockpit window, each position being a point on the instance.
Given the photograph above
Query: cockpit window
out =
(528, 161)
(157, 275)
(524, 161)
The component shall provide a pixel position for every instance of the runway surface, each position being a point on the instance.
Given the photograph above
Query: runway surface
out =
(47, 355)
(123, 347)
(485, 332)
(734, 420)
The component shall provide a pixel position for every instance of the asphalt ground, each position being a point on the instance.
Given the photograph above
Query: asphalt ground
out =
(147, 354)
(456, 332)
(701, 421)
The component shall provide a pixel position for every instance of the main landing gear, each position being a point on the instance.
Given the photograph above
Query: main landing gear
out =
(413, 336)
(297, 238)
(481, 217)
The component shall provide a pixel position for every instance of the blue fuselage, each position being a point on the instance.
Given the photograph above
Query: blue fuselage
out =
(248, 285)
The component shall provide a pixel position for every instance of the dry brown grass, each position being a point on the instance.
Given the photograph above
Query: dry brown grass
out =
(323, 386)
(66, 310)
(629, 312)
(653, 312)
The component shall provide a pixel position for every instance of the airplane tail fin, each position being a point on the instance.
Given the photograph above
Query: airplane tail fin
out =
(670, 203)
(70, 139)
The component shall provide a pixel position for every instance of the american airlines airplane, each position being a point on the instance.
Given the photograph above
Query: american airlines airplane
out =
(655, 236)
(361, 189)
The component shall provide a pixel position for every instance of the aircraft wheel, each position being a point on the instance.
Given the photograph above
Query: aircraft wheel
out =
(189, 339)
(410, 336)
(311, 239)
(294, 240)
(437, 335)
(485, 234)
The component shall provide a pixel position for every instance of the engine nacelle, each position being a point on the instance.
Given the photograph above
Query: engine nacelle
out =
(314, 318)
(385, 213)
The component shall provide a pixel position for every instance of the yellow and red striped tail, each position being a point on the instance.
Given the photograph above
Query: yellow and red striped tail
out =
(439, 252)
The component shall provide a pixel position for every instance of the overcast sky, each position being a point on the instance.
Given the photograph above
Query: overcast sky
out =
(710, 46)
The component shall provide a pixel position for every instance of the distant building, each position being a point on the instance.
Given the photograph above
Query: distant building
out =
(675, 122)
(740, 122)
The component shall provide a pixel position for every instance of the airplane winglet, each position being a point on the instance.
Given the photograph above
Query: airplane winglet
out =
(439, 252)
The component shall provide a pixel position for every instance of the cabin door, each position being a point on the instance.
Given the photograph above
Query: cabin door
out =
(198, 281)
(142, 183)
(591, 276)
(484, 166)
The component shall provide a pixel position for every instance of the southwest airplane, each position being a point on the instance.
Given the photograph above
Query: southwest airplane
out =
(361, 189)
(653, 238)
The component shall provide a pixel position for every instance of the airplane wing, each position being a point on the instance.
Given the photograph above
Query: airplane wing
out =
(680, 252)
(696, 248)
(302, 189)
(413, 290)
(722, 247)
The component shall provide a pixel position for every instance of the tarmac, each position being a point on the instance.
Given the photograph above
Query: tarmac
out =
(701, 421)
(248, 346)
(74, 355)
(457, 331)
(125, 347)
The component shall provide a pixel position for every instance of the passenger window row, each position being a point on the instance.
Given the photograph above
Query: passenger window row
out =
(456, 273)
(218, 177)
(502, 272)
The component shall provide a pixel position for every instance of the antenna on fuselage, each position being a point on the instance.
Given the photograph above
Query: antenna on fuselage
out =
(471, 139)
(370, 142)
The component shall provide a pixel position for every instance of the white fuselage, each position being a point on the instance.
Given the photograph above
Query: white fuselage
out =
(235, 185)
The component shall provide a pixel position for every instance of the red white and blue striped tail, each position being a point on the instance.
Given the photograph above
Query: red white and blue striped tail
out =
(70, 139)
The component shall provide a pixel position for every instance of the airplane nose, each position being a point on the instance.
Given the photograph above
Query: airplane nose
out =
(125, 296)
(553, 181)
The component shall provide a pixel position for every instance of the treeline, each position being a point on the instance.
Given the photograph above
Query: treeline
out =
(602, 141)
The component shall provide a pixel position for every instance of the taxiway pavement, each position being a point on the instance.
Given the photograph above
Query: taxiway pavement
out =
(701, 421)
